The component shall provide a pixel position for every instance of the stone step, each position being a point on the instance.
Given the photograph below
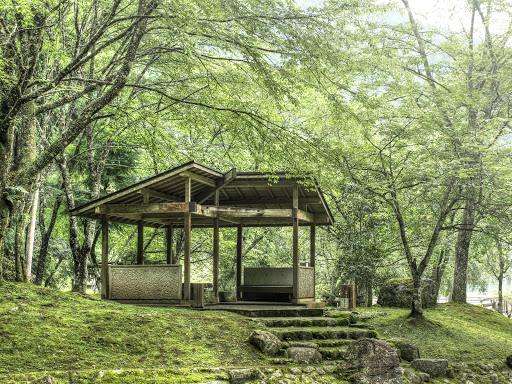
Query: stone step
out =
(262, 311)
(301, 344)
(333, 353)
(323, 333)
(362, 326)
(303, 321)
(331, 343)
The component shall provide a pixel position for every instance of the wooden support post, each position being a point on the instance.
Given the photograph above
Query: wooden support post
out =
(239, 262)
(168, 245)
(216, 253)
(104, 257)
(312, 246)
(295, 246)
(140, 243)
(312, 255)
(187, 228)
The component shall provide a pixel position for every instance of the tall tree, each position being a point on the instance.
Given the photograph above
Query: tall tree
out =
(25, 28)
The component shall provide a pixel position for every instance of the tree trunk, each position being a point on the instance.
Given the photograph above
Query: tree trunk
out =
(369, 293)
(438, 271)
(462, 251)
(31, 235)
(19, 249)
(45, 236)
(416, 307)
(500, 276)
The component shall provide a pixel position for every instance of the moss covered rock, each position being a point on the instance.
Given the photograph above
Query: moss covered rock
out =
(266, 342)
(398, 293)
(408, 350)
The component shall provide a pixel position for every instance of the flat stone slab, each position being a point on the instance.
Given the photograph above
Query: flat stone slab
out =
(302, 321)
(268, 310)
(310, 333)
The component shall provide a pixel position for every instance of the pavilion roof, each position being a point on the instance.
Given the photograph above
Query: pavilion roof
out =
(252, 199)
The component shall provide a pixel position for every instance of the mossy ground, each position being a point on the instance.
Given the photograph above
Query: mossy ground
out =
(47, 330)
(80, 339)
(457, 332)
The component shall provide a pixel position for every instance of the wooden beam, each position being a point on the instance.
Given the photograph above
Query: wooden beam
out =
(295, 246)
(187, 228)
(228, 178)
(312, 243)
(160, 195)
(104, 257)
(144, 208)
(199, 178)
(312, 256)
(187, 232)
(140, 243)
(262, 183)
(216, 240)
(239, 248)
(188, 190)
(305, 216)
(216, 211)
(324, 204)
(168, 244)
(269, 201)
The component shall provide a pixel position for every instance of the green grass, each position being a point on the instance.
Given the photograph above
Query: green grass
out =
(46, 330)
(457, 332)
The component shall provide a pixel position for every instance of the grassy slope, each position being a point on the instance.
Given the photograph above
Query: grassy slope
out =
(46, 330)
(42, 329)
(457, 332)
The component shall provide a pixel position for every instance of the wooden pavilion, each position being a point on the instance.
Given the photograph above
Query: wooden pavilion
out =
(194, 195)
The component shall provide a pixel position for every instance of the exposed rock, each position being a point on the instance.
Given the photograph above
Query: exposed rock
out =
(237, 376)
(295, 371)
(434, 367)
(304, 355)
(414, 378)
(509, 361)
(373, 362)
(216, 382)
(266, 341)
(408, 350)
(425, 377)
(47, 380)
(398, 293)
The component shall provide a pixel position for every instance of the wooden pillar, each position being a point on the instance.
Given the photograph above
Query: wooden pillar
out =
(104, 257)
(295, 245)
(187, 228)
(239, 241)
(312, 243)
(168, 245)
(140, 243)
(312, 255)
(216, 260)
(216, 241)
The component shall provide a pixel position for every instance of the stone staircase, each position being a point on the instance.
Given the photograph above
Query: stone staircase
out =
(330, 335)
